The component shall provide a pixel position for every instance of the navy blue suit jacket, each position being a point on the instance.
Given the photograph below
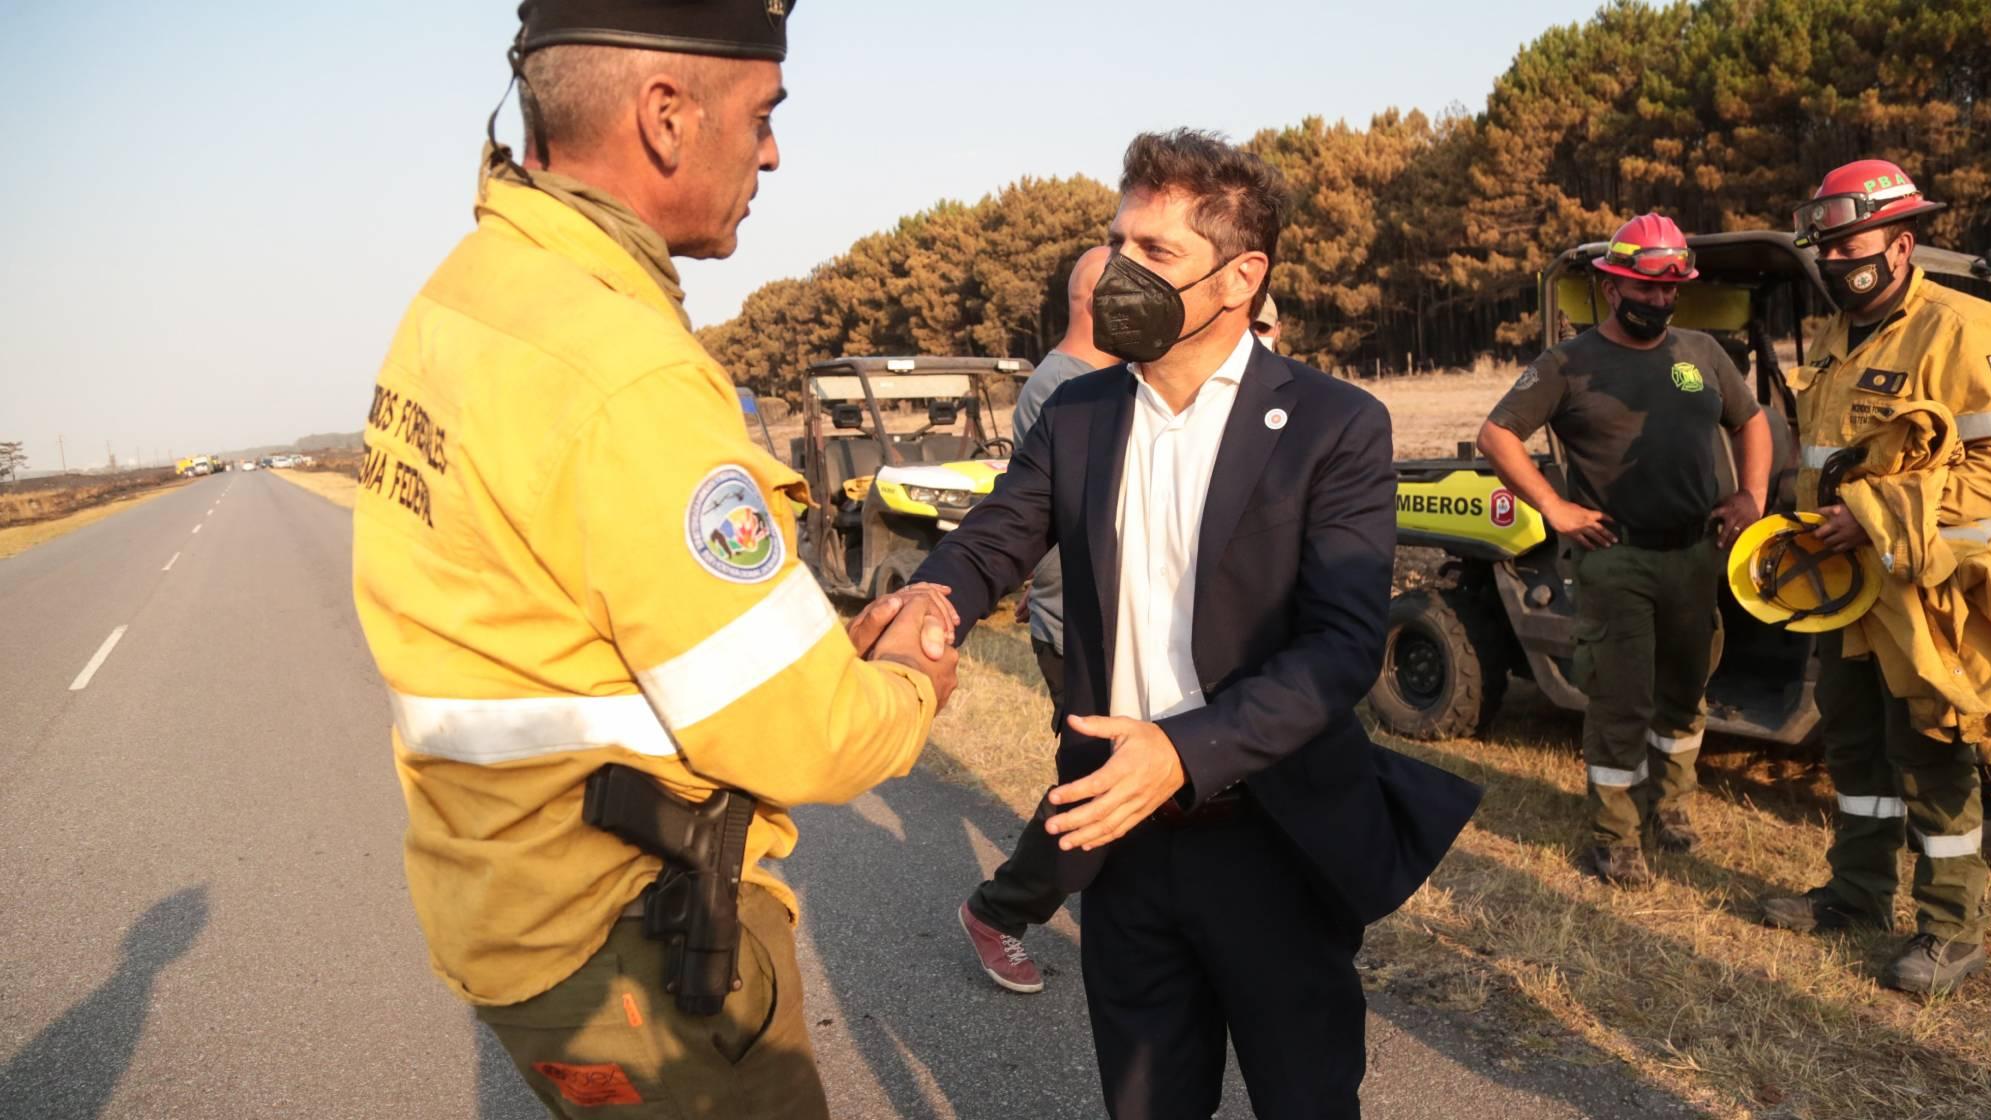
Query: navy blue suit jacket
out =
(1292, 595)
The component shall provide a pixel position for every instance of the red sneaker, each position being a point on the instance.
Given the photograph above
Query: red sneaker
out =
(1003, 957)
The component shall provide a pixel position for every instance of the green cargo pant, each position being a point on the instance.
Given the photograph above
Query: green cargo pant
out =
(1887, 776)
(608, 1042)
(1648, 635)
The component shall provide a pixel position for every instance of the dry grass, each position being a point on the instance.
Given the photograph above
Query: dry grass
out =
(18, 538)
(1681, 981)
(336, 487)
(1432, 412)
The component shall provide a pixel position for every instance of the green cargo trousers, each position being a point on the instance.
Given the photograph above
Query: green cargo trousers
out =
(608, 1042)
(1648, 635)
(1890, 780)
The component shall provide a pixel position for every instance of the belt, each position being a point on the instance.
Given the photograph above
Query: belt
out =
(1221, 806)
(1664, 540)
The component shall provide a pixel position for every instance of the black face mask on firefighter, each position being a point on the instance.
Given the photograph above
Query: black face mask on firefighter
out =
(1642, 321)
(1855, 283)
(1137, 314)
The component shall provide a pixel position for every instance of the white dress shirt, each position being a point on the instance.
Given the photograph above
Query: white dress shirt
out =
(1159, 518)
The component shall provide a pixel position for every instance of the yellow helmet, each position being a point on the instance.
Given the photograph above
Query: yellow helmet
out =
(1781, 573)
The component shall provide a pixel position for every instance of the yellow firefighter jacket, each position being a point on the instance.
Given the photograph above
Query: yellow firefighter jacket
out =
(568, 552)
(1931, 626)
(1918, 501)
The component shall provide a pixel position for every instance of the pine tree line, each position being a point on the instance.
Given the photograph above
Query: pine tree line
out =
(1415, 242)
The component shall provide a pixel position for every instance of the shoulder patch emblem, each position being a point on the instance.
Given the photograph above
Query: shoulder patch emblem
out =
(1529, 378)
(1687, 377)
(729, 529)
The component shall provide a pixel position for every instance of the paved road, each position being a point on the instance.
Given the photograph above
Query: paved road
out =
(205, 917)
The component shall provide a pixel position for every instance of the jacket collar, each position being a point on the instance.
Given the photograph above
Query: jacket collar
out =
(586, 226)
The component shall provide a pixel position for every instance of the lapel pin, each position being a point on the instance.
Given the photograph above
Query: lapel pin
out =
(1275, 419)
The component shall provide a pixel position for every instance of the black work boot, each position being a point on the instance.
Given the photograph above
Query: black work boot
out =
(1929, 965)
(1816, 911)
(1621, 865)
(1673, 831)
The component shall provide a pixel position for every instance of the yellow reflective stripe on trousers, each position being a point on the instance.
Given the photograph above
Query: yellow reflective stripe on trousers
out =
(1872, 806)
(1612, 778)
(1950, 847)
(742, 655)
(485, 732)
(1979, 531)
(1673, 744)
(1973, 426)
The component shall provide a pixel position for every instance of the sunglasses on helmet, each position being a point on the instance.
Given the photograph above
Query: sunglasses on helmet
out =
(1654, 261)
(1822, 216)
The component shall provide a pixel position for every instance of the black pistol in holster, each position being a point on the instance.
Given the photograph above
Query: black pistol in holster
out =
(694, 906)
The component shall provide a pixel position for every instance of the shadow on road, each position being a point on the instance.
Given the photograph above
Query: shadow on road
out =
(72, 1068)
(880, 882)
(501, 1093)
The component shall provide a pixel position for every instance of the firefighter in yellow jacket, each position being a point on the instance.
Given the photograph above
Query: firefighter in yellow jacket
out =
(1898, 338)
(569, 553)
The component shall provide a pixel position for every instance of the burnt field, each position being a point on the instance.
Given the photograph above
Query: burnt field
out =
(45, 499)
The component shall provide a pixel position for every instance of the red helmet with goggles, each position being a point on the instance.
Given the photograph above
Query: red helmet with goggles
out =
(1649, 247)
(1859, 196)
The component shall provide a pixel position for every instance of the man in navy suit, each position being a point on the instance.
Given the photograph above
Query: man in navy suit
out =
(1226, 522)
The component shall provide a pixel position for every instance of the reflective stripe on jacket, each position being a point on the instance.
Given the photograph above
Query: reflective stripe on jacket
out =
(567, 552)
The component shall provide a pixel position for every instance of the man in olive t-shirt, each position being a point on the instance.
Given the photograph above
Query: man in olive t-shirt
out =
(1640, 409)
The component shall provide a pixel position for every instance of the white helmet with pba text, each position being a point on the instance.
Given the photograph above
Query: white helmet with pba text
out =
(1859, 196)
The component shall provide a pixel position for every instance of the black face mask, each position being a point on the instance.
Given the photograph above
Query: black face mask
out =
(1642, 321)
(1854, 284)
(1137, 314)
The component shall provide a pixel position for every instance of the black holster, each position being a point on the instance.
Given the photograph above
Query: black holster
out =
(693, 907)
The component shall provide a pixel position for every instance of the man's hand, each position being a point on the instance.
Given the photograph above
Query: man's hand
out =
(914, 633)
(1143, 772)
(1737, 512)
(1581, 524)
(1841, 531)
(926, 598)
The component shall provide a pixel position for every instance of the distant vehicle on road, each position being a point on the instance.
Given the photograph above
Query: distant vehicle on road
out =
(246, 465)
(282, 462)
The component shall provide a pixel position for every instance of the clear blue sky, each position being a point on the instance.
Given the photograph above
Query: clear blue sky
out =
(216, 210)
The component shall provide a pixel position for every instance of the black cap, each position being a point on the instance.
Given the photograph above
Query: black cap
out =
(726, 28)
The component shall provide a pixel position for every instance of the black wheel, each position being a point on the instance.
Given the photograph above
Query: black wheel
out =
(1443, 674)
(895, 571)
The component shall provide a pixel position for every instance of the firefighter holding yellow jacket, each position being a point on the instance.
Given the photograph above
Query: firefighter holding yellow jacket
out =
(569, 555)
(1905, 362)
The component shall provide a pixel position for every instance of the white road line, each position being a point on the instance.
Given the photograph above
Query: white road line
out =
(196, 528)
(82, 680)
(170, 563)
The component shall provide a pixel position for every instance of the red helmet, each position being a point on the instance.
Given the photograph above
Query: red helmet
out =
(1649, 247)
(1860, 195)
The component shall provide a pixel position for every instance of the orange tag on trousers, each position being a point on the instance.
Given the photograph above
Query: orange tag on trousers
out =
(590, 1086)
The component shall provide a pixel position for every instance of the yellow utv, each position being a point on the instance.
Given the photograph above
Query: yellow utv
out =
(1503, 604)
(896, 451)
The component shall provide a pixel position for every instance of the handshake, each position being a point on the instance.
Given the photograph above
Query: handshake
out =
(915, 627)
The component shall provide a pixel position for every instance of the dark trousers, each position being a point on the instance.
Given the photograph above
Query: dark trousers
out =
(1024, 890)
(1892, 781)
(1191, 932)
